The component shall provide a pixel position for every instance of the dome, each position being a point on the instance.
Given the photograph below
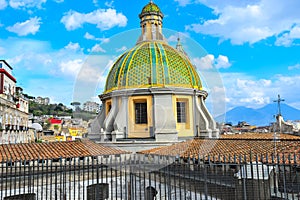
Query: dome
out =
(37, 127)
(151, 7)
(152, 64)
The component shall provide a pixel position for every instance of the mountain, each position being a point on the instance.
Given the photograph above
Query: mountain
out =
(259, 117)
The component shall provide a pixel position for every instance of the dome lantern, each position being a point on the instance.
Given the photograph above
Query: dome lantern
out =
(151, 23)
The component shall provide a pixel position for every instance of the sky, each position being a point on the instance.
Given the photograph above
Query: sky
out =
(63, 49)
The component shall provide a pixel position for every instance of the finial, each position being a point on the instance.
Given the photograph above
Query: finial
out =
(178, 38)
(179, 46)
(151, 1)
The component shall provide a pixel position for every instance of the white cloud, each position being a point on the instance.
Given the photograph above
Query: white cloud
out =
(172, 38)
(37, 57)
(48, 61)
(250, 21)
(109, 3)
(183, 2)
(222, 62)
(89, 36)
(105, 40)
(297, 66)
(18, 4)
(244, 90)
(286, 39)
(295, 32)
(204, 63)
(30, 26)
(73, 46)
(58, 1)
(182, 36)
(210, 62)
(216, 101)
(42, 70)
(123, 48)
(97, 48)
(90, 73)
(257, 99)
(71, 67)
(109, 63)
(95, 2)
(3, 4)
(91, 79)
(104, 19)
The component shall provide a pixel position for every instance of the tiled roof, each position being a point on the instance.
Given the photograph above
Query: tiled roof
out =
(178, 71)
(261, 136)
(229, 146)
(54, 150)
(151, 7)
(55, 121)
(98, 149)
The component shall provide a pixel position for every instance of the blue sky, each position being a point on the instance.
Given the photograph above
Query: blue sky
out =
(54, 46)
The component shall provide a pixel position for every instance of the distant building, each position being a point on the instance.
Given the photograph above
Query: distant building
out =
(42, 100)
(13, 109)
(75, 133)
(283, 126)
(90, 106)
(55, 125)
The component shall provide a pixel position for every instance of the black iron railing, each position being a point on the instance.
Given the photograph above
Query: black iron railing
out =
(151, 177)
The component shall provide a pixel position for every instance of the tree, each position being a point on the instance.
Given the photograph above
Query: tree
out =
(46, 124)
(52, 109)
(56, 127)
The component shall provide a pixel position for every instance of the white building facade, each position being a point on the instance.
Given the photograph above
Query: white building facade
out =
(90, 106)
(13, 109)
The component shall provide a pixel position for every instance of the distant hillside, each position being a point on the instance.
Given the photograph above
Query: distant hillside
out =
(52, 109)
(261, 116)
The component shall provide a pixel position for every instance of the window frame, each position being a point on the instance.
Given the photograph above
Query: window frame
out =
(108, 106)
(181, 111)
(140, 112)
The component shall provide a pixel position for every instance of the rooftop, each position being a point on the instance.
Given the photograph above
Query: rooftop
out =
(54, 150)
(231, 146)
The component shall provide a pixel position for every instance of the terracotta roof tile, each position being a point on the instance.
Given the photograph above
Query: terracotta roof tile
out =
(97, 149)
(54, 150)
(248, 146)
(261, 136)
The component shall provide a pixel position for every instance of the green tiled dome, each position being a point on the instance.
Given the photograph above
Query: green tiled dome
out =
(151, 7)
(152, 64)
